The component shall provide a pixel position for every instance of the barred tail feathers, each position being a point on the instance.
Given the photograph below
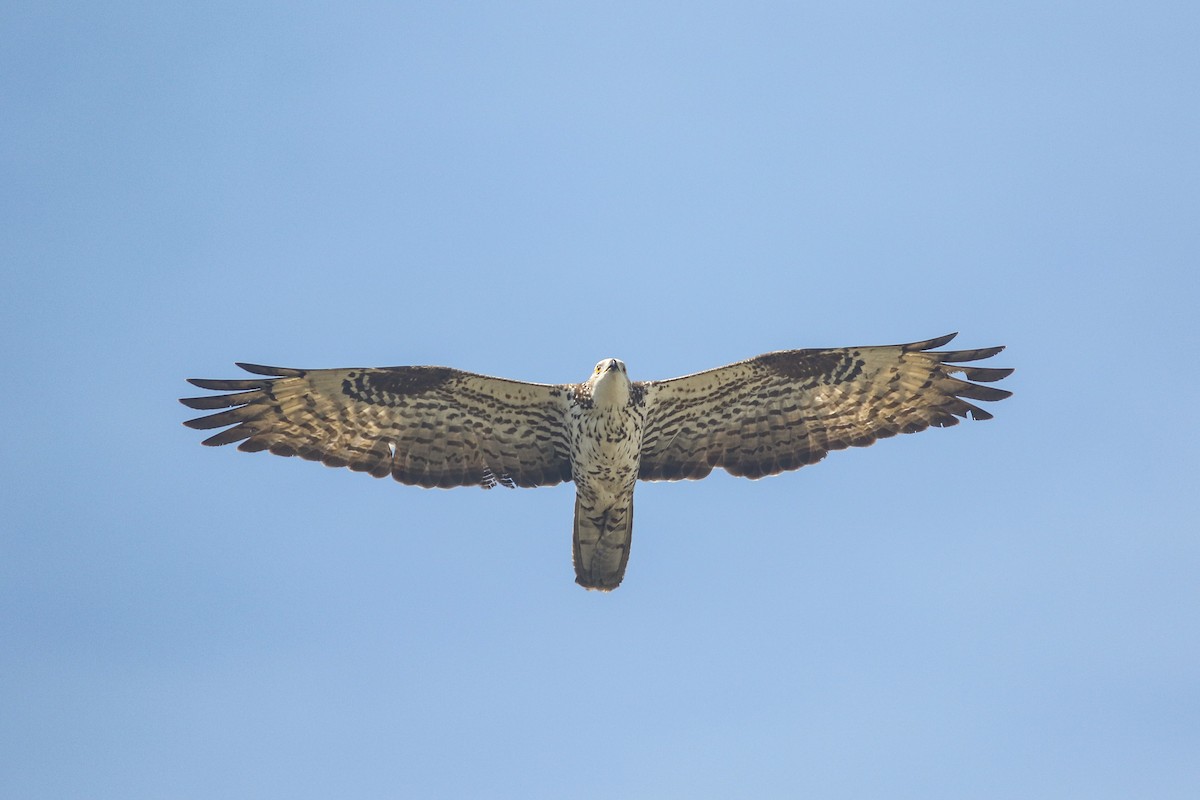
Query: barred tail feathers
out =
(601, 544)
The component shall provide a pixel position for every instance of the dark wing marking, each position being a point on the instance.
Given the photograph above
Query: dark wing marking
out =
(430, 426)
(781, 411)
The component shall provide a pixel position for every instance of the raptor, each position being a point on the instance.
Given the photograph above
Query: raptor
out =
(443, 427)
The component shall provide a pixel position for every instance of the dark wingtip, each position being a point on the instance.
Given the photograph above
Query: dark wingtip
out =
(228, 385)
(986, 374)
(969, 355)
(975, 391)
(930, 344)
(274, 372)
(213, 402)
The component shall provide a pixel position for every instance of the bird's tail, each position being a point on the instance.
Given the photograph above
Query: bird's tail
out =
(601, 544)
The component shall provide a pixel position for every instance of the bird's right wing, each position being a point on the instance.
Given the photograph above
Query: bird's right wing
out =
(430, 426)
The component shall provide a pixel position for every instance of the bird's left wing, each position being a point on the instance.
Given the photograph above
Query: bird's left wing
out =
(783, 410)
(430, 426)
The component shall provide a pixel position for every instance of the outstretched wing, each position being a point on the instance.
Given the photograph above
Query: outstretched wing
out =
(430, 426)
(783, 410)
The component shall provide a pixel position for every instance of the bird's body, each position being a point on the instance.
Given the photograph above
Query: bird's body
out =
(606, 425)
(441, 427)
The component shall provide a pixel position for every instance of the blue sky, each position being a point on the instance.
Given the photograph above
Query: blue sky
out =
(999, 610)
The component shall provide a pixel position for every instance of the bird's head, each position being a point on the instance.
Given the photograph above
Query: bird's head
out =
(607, 365)
(610, 383)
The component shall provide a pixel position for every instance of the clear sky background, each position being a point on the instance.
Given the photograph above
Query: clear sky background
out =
(999, 610)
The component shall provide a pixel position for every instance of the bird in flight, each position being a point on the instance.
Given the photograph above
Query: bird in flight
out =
(442, 427)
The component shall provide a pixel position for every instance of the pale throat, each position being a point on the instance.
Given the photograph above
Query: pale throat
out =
(611, 388)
